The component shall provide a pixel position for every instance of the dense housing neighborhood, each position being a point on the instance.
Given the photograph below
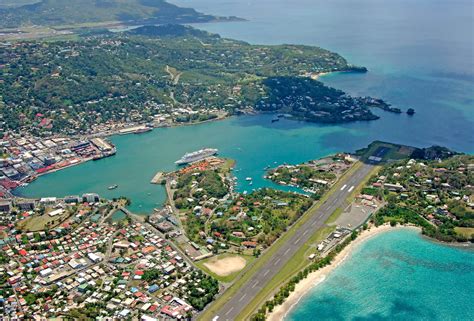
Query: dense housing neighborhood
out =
(61, 257)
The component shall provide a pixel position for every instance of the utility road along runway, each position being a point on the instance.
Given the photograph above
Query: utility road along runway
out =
(249, 290)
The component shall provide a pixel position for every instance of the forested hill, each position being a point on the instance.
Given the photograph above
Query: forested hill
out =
(170, 30)
(73, 12)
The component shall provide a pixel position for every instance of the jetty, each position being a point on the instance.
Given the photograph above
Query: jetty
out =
(158, 178)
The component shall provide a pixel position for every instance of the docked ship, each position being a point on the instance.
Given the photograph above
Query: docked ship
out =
(143, 130)
(196, 156)
(105, 154)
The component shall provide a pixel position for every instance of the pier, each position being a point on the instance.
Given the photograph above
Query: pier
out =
(157, 179)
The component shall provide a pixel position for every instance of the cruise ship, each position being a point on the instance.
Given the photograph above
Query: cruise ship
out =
(196, 156)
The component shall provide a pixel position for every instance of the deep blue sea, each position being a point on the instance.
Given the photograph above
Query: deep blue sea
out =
(420, 54)
(397, 275)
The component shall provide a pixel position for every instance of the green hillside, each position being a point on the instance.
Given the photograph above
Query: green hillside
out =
(16, 3)
(73, 12)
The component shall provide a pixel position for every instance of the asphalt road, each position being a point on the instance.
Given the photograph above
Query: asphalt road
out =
(248, 291)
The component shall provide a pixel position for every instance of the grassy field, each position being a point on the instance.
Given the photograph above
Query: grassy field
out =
(334, 216)
(465, 231)
(396, 152)
(228, 165)
(40, 223)
(228, 278)
(247, 273)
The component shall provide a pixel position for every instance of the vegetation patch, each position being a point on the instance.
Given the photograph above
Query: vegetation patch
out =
(435, 195)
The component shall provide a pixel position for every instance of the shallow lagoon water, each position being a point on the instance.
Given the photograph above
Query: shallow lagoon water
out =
(398, 275)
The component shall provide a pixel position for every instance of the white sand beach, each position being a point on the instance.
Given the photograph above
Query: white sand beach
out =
(318, 276)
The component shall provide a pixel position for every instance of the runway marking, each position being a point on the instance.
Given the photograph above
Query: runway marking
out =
(286, 252)
(266, 272)
(297, 241)
(350, 189)
(229, 311)
(254, 285)
(342, 188)
(242, 297)
(276, 262)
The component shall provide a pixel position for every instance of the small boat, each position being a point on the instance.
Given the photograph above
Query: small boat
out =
(275, 120)
(113, 187)
(248, 179)
(250, 183)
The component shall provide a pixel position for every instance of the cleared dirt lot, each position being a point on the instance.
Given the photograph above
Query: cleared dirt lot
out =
(225, 265)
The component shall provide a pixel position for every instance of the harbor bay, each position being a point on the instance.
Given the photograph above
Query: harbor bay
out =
(254, 142)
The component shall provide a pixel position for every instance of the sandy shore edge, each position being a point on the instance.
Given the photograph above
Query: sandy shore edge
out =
(315, 278)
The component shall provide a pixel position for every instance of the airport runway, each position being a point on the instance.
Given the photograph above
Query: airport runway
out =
(249, 290)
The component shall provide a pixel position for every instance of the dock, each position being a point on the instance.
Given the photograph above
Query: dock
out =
(158, 178)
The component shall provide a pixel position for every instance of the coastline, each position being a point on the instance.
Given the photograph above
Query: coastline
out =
(317, 277)
(318, 75)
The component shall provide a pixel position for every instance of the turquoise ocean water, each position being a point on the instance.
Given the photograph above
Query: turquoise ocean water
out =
(397, 275)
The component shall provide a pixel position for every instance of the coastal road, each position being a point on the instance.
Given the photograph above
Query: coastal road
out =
(318, 217)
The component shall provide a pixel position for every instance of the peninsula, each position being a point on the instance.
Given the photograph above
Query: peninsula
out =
(69, 14)
(153, 75)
